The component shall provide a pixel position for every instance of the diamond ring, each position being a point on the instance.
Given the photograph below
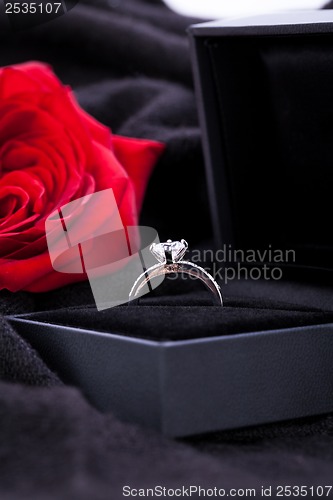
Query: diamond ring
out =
(169, 256)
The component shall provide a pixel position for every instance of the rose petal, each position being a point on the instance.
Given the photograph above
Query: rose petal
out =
(138, 157)
(51, 153)
(28, 77)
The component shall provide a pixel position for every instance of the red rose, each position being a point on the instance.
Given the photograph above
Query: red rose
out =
(52, 153)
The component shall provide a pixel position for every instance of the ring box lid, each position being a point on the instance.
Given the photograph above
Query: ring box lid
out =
(264, 88)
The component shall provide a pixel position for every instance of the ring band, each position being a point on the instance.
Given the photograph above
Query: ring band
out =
(169, 255)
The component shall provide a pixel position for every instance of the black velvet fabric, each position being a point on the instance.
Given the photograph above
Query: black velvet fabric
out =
(175, 315)
(129, 65)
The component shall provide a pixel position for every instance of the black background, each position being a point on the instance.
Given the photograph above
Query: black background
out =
(129, 65)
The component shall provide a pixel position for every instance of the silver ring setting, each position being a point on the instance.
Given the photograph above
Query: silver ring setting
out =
(169, 256)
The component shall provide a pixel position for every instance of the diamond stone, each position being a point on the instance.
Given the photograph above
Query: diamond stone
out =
(171, 251)
(178, 250)
(157, 249)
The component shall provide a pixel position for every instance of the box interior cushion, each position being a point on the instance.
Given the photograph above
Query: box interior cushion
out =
(249, 307)
(276, 110)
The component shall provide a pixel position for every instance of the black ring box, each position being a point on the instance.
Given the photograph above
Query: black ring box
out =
(264, 88)
(267, 355)
(191, 369)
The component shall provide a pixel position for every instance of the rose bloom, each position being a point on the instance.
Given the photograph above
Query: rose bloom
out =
(52, 152)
